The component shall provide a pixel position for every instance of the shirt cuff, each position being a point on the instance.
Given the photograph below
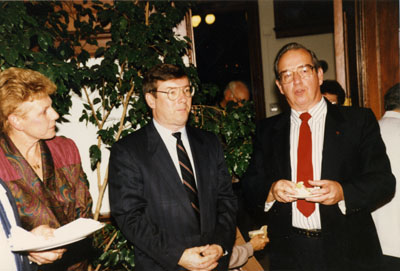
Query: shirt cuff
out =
(342, 206)
(268, 205)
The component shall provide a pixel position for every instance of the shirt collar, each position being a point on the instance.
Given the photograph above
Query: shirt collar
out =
(165, 132)
(392, 114)
(316, 112)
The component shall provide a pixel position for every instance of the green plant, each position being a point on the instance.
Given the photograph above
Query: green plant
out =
(118, 252)
(34, 35)
(234, 125)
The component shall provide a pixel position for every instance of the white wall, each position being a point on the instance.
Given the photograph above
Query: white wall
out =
(84, 137)
(322, 45)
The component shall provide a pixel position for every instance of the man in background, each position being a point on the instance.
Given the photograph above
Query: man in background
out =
(333, 91)
(387, 217)
(235, 91)
(170, 189)
(338, 150)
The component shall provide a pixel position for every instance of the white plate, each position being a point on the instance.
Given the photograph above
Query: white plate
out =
(303, 196)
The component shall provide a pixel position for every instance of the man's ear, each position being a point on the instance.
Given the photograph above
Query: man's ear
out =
(150, 100)
(15, 122)
(320, 75)
(278, 84)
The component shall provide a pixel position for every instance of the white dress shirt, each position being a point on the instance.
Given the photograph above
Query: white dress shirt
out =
(170, 142)
(387, 218)
(7, 257)
(317, 126)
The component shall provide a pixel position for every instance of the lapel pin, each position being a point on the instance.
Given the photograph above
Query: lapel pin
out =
(337, 133)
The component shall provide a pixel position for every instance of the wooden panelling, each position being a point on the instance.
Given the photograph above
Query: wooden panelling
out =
(373, 41)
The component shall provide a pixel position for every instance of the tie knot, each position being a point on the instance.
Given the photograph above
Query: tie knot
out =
(305, 116)
(177, 135)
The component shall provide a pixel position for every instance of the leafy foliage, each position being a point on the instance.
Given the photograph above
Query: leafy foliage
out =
(235, 127)
(35, 35)
(119, 254)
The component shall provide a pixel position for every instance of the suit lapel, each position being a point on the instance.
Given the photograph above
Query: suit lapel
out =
(281, 145)
(200, 162)
(163, 164)
(332, 142)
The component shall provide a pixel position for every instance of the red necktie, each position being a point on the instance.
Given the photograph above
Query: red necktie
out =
(304, 163)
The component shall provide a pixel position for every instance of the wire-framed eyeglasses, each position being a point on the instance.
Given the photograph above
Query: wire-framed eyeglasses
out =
(304, 71)
(174, 92)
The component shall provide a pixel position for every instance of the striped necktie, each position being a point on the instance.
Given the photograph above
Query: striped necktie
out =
(187, 174)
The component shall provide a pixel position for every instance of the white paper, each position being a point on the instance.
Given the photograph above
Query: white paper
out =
(23, 240)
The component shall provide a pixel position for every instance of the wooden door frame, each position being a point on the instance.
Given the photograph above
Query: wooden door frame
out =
(375, 50)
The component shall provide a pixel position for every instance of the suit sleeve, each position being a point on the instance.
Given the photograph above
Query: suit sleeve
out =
(129, 206)
(240, 255)
(373, 182)
(225, 233)
(255, 183)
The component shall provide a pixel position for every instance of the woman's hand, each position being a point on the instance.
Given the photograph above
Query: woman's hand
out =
(48, 256)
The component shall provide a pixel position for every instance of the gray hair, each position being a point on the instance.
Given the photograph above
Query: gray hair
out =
(294, 46)
(232, 86)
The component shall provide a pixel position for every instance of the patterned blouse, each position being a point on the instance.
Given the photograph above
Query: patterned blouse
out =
(61, 197)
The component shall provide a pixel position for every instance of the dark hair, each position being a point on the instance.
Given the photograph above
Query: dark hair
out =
(333, 87)
(392, 98)
(161, 72)
(294, 46)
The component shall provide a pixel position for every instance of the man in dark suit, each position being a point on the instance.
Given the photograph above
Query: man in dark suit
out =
(336, 149)
(175, 221)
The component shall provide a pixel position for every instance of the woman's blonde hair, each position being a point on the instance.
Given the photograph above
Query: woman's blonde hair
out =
(20, 85)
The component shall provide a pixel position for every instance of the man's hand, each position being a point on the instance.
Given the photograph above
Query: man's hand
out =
(200, 258)
(280, 190)
(48, 256)
(214, 250)
(331, 192)
(258, 242)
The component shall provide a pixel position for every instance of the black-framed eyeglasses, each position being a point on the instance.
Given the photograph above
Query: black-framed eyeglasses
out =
(304, 71)
(174, 92)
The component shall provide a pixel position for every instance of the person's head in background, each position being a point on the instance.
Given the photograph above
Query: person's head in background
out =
(235, 91)
(333, 91)
(392, 99)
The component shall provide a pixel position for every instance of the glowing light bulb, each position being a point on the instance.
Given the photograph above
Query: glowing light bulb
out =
(196, 20)
(210, 18)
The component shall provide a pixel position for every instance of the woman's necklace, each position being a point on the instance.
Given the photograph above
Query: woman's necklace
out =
(38, 162)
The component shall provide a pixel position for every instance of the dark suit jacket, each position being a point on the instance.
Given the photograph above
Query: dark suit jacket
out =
(151, 207)
(355, 156)
(21, 259)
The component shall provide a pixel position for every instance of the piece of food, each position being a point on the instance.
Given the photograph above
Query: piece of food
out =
(302, 190)
(262, 231)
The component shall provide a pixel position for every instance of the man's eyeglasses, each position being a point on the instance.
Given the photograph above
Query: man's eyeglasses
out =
(304, 71)
(174, 92)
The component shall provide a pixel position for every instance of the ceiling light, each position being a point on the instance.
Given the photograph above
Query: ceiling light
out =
(210, 18)
(196, 20)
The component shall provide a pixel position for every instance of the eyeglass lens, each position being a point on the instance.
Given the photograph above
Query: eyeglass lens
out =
(173, 93)
(304, 71)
